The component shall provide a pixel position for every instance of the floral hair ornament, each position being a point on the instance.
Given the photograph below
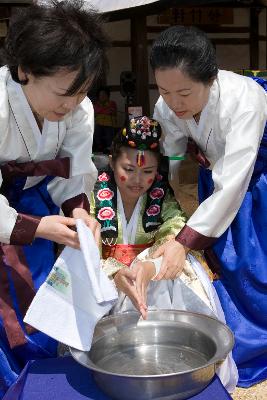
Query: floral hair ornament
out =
(142, 133)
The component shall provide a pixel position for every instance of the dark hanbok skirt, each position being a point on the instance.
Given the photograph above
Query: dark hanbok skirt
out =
(242, 255)
(40, 257)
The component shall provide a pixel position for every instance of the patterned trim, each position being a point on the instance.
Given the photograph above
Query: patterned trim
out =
(155, 198)
(24, 229)
(79, 201)
(105, 193)
(194, 240)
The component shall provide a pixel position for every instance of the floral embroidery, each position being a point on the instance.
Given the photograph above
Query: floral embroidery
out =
(105, 205)
(159, 177)
(153, 210)
(155, 198)
(104, 177)
(106, 213)
(105, 194)
(156, 193)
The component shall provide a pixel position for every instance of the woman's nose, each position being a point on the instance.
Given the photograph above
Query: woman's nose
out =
(72, 101)
(176, 103)
(137, 178)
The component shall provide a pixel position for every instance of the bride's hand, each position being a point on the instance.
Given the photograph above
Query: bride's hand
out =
(143, 273)
(125, 281)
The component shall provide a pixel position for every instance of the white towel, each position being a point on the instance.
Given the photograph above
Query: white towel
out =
(75, 295)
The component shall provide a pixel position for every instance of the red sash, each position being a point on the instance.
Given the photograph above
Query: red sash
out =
(125, 253)
(197, 154)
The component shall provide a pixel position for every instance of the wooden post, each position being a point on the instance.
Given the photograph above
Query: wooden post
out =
(140, 61)
(266, 36)
(254, 38)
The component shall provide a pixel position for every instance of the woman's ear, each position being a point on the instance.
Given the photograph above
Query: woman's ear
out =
(111, 164)
(24, 76)
(211, 81)
(21, 74)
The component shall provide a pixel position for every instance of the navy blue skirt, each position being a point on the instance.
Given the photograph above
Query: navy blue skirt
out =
(242, 287)
(40, 258)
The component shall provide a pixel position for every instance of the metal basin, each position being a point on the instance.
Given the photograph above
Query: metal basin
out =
(172, 355)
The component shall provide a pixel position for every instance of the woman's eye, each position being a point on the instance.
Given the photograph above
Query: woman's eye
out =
(148, 172)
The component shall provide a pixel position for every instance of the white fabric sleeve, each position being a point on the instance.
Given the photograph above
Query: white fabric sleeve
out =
(77, 145)
(231, 176)
(8, 217)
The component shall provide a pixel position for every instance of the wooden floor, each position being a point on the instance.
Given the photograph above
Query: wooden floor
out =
(187, 195)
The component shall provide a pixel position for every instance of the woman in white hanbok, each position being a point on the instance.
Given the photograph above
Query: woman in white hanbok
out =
(52, 54)
(219, 117)
(137, 210)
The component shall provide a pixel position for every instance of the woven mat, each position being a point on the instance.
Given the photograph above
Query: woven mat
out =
(257, 392)
(186, 194)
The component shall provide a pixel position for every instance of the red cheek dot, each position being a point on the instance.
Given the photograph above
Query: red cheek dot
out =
(150, 180)
(122, 178)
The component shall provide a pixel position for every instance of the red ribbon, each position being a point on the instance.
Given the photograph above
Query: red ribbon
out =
(13, 262)
(197, 154)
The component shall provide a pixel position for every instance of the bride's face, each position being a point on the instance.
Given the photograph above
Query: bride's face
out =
(132, 180)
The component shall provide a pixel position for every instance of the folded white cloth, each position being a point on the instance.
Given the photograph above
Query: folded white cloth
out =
(75, 295)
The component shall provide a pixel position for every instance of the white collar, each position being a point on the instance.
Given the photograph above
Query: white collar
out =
(128, 229)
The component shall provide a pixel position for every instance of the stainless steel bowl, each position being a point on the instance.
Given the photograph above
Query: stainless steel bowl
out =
(172, 355)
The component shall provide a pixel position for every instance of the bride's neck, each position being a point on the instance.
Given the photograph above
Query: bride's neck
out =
(128, 206)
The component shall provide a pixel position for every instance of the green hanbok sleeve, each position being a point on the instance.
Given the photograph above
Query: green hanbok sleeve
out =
(173, 219)
(92, 204)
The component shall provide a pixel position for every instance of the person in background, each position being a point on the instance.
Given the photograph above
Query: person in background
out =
(52, 55)
(105, 120)
(220, 117)
(137, 211)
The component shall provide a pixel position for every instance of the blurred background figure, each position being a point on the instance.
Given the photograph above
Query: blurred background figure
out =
(105, 120)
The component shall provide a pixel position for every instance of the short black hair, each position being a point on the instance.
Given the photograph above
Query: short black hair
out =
(43, 39)
(186, 48)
